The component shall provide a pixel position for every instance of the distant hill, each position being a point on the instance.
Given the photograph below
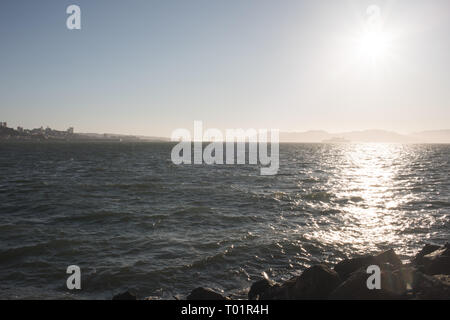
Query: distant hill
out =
(377, 136)
(308, 136)
(435, 136)
(317, 136)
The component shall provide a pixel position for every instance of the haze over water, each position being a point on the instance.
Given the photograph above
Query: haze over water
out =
(130, 218)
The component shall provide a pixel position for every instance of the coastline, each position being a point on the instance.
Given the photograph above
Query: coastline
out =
(426, 276)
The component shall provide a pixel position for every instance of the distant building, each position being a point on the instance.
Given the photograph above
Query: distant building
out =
(19, 129)
(37, 131)
(3, 125)
(70, 130)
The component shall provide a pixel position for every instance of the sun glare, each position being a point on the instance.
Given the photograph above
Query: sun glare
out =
(374, 42)
(374, 45)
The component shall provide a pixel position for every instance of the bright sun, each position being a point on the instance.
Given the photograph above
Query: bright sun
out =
(374, 45)
(374, 42)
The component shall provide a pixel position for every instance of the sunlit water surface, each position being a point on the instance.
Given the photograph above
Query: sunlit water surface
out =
(131, 219)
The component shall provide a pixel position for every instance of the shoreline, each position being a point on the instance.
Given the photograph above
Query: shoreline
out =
(425, 277)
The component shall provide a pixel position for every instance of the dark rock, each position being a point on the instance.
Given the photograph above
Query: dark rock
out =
(259, 288)
(205, 294)
(437, 262)
(271, 290)
(389, 257)
(316, 282)
(279, 292)
(445, 278)
(431, 287)
(429, 248)
(127, 295)
(405, 277)
(393, 287)
(346, 267)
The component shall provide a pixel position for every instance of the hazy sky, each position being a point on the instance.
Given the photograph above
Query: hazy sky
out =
(149, 67)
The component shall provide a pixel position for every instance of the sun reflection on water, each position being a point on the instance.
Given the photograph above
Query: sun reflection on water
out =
(367, 179)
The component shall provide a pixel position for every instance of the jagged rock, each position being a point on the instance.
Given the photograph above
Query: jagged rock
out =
(389, 257)
(445, 278)
(427, 249)
(393, 287)
(259, 288)
(346, 267)
(431, 287)
(316, 282)
(205, 294)
(279, 292)
(405, 276)
(437, 262)
(268, 290)
(127, 295)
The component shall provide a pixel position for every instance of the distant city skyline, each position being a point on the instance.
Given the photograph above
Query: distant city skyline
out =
(310, 136)
(150, 67)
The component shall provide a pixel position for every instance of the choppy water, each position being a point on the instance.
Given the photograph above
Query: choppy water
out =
(131, 219)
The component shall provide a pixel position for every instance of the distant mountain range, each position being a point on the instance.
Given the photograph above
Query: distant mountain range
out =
(314, 136)
(319, 136)
(435, 136)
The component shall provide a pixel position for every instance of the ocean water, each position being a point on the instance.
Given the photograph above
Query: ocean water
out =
(133, 220)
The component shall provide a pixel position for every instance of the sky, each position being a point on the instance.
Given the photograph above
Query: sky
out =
(149, 67)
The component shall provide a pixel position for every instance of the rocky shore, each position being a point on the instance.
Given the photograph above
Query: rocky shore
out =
(426, 276)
